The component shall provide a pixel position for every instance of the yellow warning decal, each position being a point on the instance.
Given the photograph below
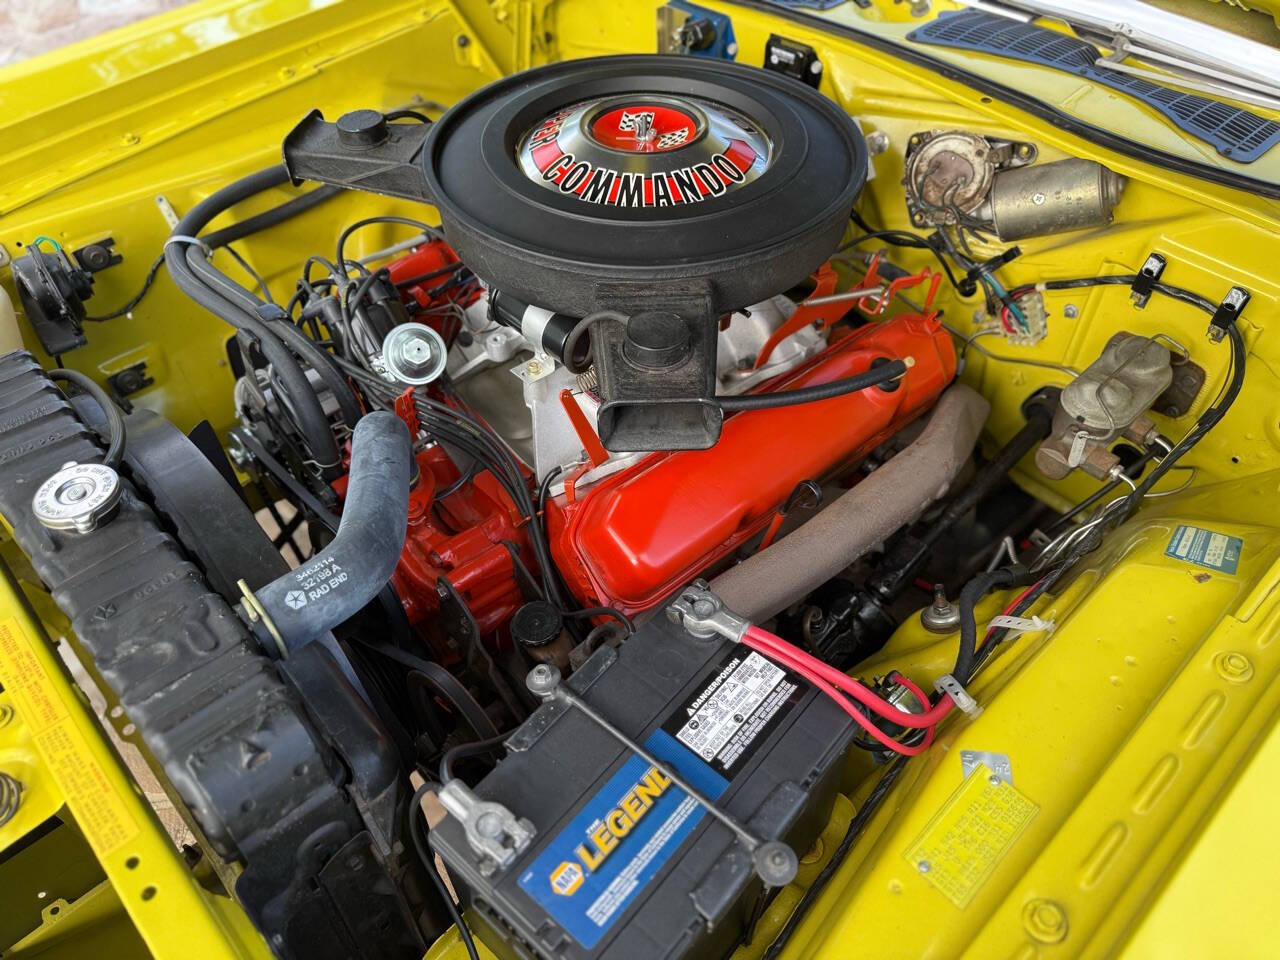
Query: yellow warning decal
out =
(970, 835)
(103, 818)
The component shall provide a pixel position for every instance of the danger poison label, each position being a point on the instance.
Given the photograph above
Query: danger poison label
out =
(728, 718)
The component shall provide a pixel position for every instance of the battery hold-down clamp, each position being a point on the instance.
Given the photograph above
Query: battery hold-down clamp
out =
(775, 863)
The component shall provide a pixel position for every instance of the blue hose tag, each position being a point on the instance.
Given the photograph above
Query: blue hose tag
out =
(1205, 548)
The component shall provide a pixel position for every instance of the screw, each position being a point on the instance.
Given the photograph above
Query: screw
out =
(924, 866)
(131, 139)
(877, 142)
(1071, 311)
(994, 780)
(75, 493)
(534, 368)
(816, 67)
(463, 40)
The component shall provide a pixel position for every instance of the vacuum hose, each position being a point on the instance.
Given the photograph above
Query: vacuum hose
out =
(892, 496)
(305, 604)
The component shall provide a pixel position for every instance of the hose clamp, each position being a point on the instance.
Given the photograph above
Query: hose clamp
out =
(259, 618)
(704, 615)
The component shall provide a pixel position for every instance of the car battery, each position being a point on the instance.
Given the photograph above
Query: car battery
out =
(622, 863)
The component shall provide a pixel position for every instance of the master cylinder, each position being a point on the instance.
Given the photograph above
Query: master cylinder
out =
(1107, 402)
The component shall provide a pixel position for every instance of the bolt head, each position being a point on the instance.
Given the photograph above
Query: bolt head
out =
(776, 863)
(542, 680)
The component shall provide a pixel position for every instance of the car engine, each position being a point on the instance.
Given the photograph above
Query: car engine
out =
(581, 516)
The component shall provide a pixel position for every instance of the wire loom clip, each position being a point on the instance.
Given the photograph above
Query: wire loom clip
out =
(954, 689)
(1228, 312)
(1144, 282)
(1021, 625)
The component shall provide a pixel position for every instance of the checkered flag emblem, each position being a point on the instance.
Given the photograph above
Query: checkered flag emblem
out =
(673, 138)
(630, 121)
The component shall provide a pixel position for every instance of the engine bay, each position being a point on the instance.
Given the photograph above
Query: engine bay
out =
(751, 499)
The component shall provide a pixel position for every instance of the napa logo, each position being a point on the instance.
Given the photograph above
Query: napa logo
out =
(567, 878)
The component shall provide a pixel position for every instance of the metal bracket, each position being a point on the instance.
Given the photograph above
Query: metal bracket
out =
(704, 615)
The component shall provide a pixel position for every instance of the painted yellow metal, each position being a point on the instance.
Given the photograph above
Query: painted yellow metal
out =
(1142, 728)
(54, 744)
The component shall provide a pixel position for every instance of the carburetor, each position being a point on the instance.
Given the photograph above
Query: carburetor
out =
(1107, 402)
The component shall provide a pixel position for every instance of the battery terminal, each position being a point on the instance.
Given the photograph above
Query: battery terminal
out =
(496, 834)
(704, 615)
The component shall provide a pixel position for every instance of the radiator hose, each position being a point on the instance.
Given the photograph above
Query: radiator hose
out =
(891, 497)
(331, 587)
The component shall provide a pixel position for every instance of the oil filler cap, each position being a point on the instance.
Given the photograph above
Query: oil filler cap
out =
(78, 497)
(536, 624)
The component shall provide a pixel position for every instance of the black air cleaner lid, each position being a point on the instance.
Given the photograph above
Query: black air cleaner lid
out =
(657, 172)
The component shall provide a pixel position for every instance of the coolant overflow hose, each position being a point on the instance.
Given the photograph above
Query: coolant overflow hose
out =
(305, 604)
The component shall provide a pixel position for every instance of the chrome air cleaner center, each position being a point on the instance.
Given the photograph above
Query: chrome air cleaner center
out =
(645, 151)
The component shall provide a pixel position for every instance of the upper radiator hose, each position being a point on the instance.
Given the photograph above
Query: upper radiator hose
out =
(305, 604)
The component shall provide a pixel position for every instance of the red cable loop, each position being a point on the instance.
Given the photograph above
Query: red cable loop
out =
(831, 682)
(769, 644)
(860, 718)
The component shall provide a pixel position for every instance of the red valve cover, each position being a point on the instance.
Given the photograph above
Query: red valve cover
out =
(633, 538)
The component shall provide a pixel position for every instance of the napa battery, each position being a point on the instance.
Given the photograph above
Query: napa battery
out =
(624, 864)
